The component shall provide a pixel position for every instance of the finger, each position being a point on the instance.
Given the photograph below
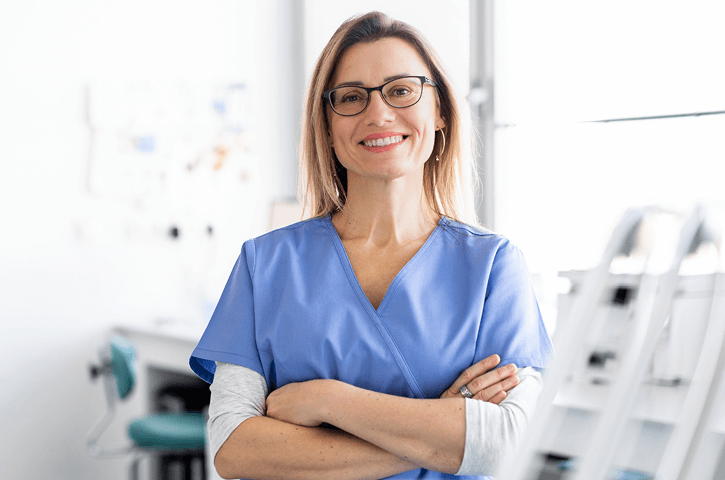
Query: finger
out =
(472, 372)
(498, 398)
(491, 378)
(491, 392)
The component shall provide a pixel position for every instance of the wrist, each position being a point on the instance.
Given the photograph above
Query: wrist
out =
(332, 391)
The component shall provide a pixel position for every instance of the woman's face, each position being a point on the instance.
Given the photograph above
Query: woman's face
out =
(373, 64)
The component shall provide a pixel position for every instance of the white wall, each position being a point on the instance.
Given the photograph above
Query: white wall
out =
(76, 262)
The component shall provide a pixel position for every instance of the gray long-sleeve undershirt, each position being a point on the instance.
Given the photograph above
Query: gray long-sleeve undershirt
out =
(492, 431)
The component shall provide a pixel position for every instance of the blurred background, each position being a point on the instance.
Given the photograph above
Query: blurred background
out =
(142, 142)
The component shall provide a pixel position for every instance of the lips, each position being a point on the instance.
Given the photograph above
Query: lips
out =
(376, 141)
(383, 148)
(383, 142)
(375, 136)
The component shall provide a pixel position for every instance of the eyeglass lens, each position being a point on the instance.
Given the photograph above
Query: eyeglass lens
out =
(402, 92)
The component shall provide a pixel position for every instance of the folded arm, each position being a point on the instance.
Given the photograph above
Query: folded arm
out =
(382, 430)
(450, 435)
(263, 447)
(246, 444)
(429, 433)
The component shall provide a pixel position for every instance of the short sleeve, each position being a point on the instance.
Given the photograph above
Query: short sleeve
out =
(230, 335)
(512, 326)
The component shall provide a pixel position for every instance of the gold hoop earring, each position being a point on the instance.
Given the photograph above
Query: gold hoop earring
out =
(443, 136)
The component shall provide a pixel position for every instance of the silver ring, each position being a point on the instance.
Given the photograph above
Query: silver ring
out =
(466, 392)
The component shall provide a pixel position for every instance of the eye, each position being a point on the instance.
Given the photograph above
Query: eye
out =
(350, 97)
(399, 91)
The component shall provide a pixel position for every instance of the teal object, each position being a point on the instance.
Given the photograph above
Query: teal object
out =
(162, 431)
(123, 365)
(169, 431)
(178, 438)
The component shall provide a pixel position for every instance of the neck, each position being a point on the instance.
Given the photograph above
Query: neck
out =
(385, 213)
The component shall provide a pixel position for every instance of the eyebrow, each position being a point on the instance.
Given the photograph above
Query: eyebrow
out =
(360, 84)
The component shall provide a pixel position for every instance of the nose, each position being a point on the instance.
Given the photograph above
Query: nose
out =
(378, 112)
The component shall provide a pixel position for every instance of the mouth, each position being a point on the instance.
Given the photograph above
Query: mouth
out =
(383, 141)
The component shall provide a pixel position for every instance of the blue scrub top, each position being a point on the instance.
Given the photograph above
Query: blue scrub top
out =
(293, 311)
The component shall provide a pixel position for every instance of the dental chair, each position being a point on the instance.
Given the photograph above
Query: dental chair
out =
(178, 437)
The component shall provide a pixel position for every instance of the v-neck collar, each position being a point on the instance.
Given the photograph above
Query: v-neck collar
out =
(352, 278)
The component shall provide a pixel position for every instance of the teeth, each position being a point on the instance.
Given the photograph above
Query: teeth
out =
(381, 142)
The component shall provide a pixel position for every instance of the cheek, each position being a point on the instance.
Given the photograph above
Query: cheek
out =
(427, 135)
(338, 133)
(341, 148)
(425, 124)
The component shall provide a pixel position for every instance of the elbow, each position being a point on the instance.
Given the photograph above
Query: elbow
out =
(230, 465)
(223, 466)
(442, 461)
(487, 452)
(433, 456)
(454, 459)
(513, 430)
(499, 429)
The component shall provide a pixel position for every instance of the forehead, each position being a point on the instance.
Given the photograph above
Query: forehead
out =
(371, 63)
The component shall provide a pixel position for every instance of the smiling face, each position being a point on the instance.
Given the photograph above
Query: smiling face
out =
(384, 142)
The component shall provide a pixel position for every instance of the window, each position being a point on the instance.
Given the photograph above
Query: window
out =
(560, 183)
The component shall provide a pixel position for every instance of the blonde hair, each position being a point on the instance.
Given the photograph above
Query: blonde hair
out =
(448, 183)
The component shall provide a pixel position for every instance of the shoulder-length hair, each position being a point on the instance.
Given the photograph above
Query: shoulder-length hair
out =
(448, 182)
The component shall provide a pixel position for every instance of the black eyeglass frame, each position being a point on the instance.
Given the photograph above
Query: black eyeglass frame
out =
(423, 80)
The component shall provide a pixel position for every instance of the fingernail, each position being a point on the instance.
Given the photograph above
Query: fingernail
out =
(512, 367)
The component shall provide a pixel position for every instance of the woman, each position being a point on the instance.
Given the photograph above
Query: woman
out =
(361, 316)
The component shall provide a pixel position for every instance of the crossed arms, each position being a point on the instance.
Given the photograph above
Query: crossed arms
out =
(379, 435)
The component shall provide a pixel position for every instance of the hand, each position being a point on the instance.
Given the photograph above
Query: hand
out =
(483, 382)
(298, 403)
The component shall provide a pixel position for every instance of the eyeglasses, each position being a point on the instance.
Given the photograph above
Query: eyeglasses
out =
(398, 93)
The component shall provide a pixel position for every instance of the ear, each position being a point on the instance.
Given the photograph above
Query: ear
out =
(440, 123)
